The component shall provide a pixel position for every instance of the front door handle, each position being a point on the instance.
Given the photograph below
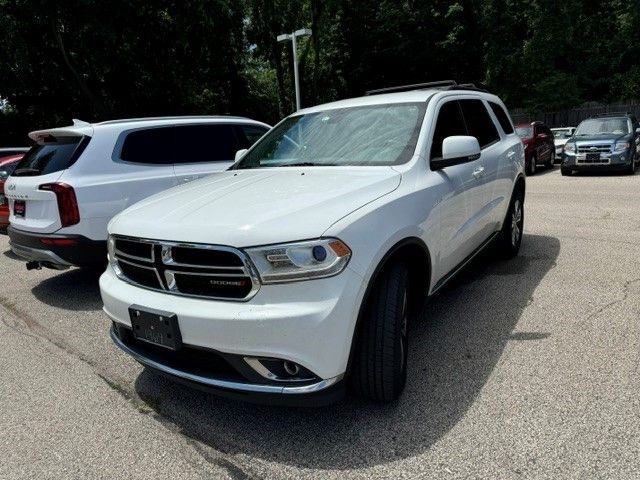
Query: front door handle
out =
(478, 172)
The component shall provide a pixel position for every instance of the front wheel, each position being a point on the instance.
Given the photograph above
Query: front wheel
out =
(380, 361)
(510, 237)
(532, 166)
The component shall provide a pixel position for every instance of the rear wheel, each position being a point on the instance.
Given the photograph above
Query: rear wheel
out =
(380, 361)
(510, 237)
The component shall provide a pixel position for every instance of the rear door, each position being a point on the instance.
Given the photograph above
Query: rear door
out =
(201, 150)
(32, 208)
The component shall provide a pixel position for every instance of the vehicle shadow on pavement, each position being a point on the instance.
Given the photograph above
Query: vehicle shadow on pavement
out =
(455, 346)
(75, 289)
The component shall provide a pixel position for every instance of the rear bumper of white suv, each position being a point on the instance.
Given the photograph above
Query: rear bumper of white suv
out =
(57, 250)
(309, 323)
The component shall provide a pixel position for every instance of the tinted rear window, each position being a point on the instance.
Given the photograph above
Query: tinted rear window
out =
(181, 144)
(56, 154)
(503, 117)
(205, 143)
(152, 145)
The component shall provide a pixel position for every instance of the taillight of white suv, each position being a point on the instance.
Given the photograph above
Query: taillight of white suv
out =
(67, 202)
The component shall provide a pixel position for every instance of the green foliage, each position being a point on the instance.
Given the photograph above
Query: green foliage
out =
(99, 59)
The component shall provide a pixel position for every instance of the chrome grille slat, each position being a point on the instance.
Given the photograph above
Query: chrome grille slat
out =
(241, 280)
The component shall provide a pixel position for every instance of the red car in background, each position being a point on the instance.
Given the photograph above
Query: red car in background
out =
(539, 147)
(7, 166)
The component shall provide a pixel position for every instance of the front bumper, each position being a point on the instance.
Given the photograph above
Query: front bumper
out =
(80, 251)
(310, 323)
(609, 162)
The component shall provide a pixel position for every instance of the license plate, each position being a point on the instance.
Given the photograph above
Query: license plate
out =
(19, 208)
(155, 327)
(593, 157)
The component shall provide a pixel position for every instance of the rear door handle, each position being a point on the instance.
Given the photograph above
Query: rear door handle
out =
(478, 172)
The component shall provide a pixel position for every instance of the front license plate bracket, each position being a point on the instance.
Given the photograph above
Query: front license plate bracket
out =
(155, 327)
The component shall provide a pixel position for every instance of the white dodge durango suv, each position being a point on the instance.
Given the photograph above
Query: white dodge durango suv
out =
(75, 179)
(294, 273)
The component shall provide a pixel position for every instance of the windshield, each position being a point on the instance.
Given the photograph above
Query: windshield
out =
(369, 135)
(524, 132)
(603, 126)
(57, 153)
(561, 134)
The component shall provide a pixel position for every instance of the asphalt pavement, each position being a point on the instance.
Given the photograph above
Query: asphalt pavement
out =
(526, 368)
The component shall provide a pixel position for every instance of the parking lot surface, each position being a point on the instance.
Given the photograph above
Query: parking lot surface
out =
(520, 369)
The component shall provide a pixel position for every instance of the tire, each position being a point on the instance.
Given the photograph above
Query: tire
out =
(532, 166)
(552, 159)
(380, 361)
(632, 168)
(510, 237)
(566, 172)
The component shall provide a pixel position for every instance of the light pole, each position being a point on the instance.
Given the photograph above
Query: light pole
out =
(285, 37)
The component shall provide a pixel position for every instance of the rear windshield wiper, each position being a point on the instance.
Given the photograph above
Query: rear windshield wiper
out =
(25, 172)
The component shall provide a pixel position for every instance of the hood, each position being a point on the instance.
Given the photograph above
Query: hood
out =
(242, 208)
(600, 138)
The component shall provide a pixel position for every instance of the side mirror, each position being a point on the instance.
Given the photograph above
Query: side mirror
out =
(456, 150)
(4, 175)
(240, 153)
(638, 130)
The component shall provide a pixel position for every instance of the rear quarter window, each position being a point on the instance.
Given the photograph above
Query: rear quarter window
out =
(54, 155)
(152, 145)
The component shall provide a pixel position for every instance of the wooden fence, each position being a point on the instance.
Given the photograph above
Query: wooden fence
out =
(572, 117)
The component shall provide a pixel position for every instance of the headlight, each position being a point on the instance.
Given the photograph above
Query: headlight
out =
(622, 146)
(288, 262)
(570, 147)
(111, 245)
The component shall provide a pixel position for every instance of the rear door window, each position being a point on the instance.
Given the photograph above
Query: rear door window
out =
(205, 143)
(479, 122)
(52, 155)
(450, 122)
(503, 117)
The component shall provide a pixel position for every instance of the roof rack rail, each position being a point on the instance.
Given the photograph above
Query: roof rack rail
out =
(415, 86)
(442, 84)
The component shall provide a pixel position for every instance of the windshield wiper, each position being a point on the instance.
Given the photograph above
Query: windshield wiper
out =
(308, 164)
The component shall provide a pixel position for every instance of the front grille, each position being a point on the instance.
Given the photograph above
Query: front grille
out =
(198, 270)
(593, 161)
(594, 148)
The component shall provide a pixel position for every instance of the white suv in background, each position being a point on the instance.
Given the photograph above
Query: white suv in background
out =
(295, 272)
(75, 179)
